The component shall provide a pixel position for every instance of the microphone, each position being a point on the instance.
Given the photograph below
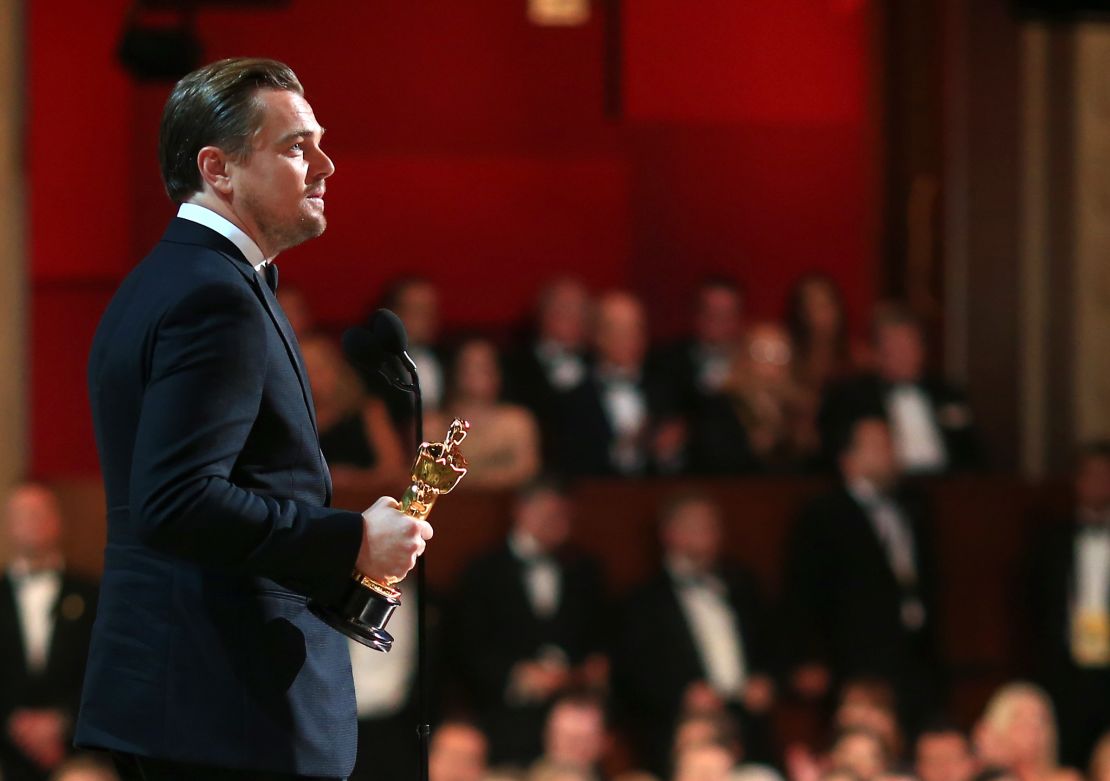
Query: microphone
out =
(381, 348)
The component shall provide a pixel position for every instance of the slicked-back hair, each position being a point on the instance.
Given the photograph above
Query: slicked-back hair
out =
(215, 106)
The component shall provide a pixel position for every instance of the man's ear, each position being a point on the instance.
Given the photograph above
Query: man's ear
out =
(215, 169)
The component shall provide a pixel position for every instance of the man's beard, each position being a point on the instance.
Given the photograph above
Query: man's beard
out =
(282, 234)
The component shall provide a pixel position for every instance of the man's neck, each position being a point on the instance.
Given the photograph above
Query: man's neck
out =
(214, 203)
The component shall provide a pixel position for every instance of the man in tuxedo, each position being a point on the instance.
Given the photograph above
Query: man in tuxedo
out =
(206, 661)
(930, 419)
(695, 638)
(46, 617)
(527, 625)
(859, 580)
(555, 361)
(606, 425)
(1070, 595)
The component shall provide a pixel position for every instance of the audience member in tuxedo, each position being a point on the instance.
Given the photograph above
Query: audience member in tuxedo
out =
(416, 301)
(527, 624)
(503, 446)
(606, 425)
(930, 419)
(1070, 595)
(457, 753)
(694, 638)
(698, 367)
(46, 617)
(357, 438)
(84, 767)
(574, 739)
(1018, 734)
(818, 326)
(859, 580)
(761, 420)
(1099, 769)
(555, 359)
(943, 753)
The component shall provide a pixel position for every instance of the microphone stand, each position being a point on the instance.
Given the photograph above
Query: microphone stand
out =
(423, 728)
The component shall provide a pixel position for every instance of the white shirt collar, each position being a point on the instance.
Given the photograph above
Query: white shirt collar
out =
(202, 215)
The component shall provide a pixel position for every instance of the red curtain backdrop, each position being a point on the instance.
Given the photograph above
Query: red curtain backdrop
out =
(474, 147)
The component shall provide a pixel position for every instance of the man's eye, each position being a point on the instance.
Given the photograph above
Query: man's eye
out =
(296, 147)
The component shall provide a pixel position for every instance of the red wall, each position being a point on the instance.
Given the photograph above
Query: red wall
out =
(473, 146)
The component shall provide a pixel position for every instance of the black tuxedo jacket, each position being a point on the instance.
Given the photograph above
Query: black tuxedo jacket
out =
(58, 685)
(526, 383)
(866, 395)
(843, 601)
(218, 526)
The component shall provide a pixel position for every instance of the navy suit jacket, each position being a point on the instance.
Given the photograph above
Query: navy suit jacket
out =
(203, 649)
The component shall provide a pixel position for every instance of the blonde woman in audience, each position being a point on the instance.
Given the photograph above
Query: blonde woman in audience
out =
(503, 448)
(1100, 760)
(1017, 732)
(357, 437)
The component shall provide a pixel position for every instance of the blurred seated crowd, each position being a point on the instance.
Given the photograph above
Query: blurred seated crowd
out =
(538, 676)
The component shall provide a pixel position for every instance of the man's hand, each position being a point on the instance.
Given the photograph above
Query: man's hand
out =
(391, 541)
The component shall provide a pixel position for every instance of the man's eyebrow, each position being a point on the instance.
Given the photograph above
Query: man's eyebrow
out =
(299, 133)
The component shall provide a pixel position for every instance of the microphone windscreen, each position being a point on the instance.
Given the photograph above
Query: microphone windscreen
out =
(390, 332)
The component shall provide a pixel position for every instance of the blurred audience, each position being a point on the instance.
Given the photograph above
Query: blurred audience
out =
(574, 740)
(359, 442)
(297, 311)
(1099, 769)
(503, 446)
(1017, 733)
(1070, 595)
(930, 419)
(605, 426)
(870, 703)
(818, 327)
(861, 752)
(943, 753)
(457, 753)
(694, 638)
(528, 623)
(555, 359)
(46, 618)
(760, 419)
(415, 300)
(84, 767)
(859, 580)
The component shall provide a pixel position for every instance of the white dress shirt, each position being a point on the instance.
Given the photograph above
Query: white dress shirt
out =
(202, 215)
(917, 438)
(1092, 568)
(36, 593)
(713, 627)
(625, 407)
(543, 580)
(565, 369)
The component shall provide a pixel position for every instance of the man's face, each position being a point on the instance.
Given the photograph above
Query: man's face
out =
(458, 753)
(575, 735)
(546, 517)
(418, 308)
(34, 522)
(718, 317)
(860, 753)
(871, 456)
(900, 351)
(621, 332)
(1092, 484)
(565, 317)
(278, 190)
(944, 756)
(694, 533)
(706, 762)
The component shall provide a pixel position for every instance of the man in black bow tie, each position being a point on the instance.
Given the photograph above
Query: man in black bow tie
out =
(46, 616)
(205, 660)
(1070, 594)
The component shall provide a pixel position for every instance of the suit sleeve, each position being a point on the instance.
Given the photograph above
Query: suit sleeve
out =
(206, 372)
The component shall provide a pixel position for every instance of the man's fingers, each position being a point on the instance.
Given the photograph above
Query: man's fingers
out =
(425, 530)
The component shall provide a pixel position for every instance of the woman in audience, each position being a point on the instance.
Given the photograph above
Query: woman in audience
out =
(763, 420)
(818, 327)
(503, 447)
(1100, 760)
(358, 439)
(1018, 733)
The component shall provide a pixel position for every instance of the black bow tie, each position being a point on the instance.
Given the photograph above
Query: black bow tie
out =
(270, 272)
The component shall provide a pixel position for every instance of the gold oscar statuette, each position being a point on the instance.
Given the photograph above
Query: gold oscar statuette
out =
(367, 604)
